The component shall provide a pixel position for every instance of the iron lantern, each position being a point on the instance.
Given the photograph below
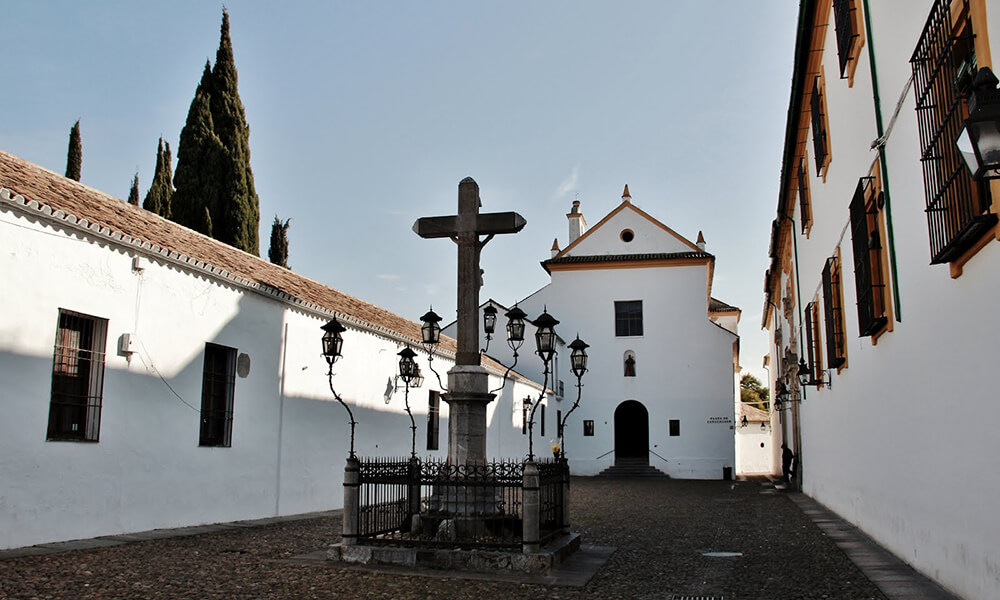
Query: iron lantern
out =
(407, 366)
(545, 335)
(515, 326)
(489, 319)
(418, 379)
(333, 341)
(578, 358)
(979, 141)
(804, 373)
(430, 330)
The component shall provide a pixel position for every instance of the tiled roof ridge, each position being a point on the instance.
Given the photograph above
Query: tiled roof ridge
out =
(716, 305)
(624, 257)
(45, 210)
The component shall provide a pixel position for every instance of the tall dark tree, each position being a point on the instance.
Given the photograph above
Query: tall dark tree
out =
(74, 157)
(213, 158)
(133, 193)
(278, 250)
(158, 197)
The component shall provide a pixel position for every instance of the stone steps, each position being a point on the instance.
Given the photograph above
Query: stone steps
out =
(632, 469)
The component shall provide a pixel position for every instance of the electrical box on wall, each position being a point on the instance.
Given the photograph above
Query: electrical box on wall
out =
(138, 264)
(126, 344)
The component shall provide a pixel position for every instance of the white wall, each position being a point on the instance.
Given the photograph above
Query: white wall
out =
(754, 450)
(289, 437)
(903, 444)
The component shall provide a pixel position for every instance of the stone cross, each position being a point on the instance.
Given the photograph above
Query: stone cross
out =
(468, 382)
(465, 229)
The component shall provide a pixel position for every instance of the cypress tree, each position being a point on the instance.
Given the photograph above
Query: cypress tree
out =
(277, 253)
(74, 157)
(199, 154)
(213, 158)
(133, 193)
(158, 197)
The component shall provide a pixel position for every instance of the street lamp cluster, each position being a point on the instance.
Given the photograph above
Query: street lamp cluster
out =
(430, 330)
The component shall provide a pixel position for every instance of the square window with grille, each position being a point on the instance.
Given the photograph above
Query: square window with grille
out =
(815, 358)
(869, 257)
(943, 63)
(217, 388)
(628, 318)
(433, 420)
(833, 307)
(820, 125)
(77, 377)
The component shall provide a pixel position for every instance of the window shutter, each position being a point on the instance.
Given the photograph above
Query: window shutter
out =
(831, 310)
(862, 262)
(819, 133)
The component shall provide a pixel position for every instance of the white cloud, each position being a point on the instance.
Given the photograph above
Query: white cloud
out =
(388, 276)
(569, 184)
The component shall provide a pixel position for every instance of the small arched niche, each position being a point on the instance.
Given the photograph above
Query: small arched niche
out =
(628, 361)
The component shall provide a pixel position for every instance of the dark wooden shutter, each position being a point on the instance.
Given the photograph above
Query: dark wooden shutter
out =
(862, 262)
(810, 337)
(819, 132)
(832, 313)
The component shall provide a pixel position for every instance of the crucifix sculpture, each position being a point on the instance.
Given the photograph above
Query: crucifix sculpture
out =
(468, 382)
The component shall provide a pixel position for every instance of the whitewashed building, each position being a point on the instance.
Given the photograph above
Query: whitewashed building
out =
(154, 377)
(884, 279)
(663, 353)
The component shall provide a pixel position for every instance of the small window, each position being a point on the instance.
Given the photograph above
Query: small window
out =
(77, 377)
(867, 232)
(820, 126)
(433, 420)
(848, 25)
(833, 304)
(675, 427)
(559, 423)
(629, 364)
(805, 203)
(588, 428)
(525, 407)
(543, 420)
(627, 235)
(813, 341)
(628, 318)
(217, 387)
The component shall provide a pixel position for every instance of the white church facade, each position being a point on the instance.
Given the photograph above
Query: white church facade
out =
(155, 378)
(663, 356)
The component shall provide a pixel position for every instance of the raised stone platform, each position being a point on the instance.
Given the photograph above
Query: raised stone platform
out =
(479, 561)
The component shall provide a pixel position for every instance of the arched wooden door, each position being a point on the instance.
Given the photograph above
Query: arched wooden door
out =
(631, 432)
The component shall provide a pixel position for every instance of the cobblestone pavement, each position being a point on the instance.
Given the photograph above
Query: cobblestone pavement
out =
(660, 529)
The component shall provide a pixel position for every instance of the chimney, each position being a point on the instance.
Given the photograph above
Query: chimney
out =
(555, 247)
(701, 242)
(577, 224)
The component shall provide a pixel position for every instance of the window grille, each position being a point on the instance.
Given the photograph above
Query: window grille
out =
(628, 318)
(843, 18)
(675, 427)
(867, 261)
(813, 342)
(818, 127)
(588, 428)
(217, 386)
(77, 377)
(943, 63)
(804, 204)
(433, 420)
(835, 346)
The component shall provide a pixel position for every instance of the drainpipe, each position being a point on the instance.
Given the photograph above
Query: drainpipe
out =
(880, 129)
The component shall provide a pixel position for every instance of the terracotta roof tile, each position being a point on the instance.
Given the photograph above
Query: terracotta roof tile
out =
(73, 198)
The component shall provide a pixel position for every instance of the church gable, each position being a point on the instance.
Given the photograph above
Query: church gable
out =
(628, 230)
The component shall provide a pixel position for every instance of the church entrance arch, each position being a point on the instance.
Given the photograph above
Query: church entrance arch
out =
(631, 432)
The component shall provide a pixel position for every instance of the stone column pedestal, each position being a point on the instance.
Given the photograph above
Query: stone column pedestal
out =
(467, 398)
(352, 491)
(530, 506)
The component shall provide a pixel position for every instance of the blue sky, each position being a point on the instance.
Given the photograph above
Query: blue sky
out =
(365, 116)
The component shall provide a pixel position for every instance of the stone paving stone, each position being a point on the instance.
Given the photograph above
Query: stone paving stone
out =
(660, 528)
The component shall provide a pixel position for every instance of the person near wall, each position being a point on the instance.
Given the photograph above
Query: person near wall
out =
(787, 456)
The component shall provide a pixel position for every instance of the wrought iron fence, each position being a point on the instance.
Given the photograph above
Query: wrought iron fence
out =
(409, 502)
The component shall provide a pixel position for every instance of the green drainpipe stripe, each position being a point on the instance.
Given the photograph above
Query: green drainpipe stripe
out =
(884, 165)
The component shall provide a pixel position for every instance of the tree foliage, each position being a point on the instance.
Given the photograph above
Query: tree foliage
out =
(213, 158)
(158, 197)
(277, 252)
(133, 193)
(752, 391)
(74, 156)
